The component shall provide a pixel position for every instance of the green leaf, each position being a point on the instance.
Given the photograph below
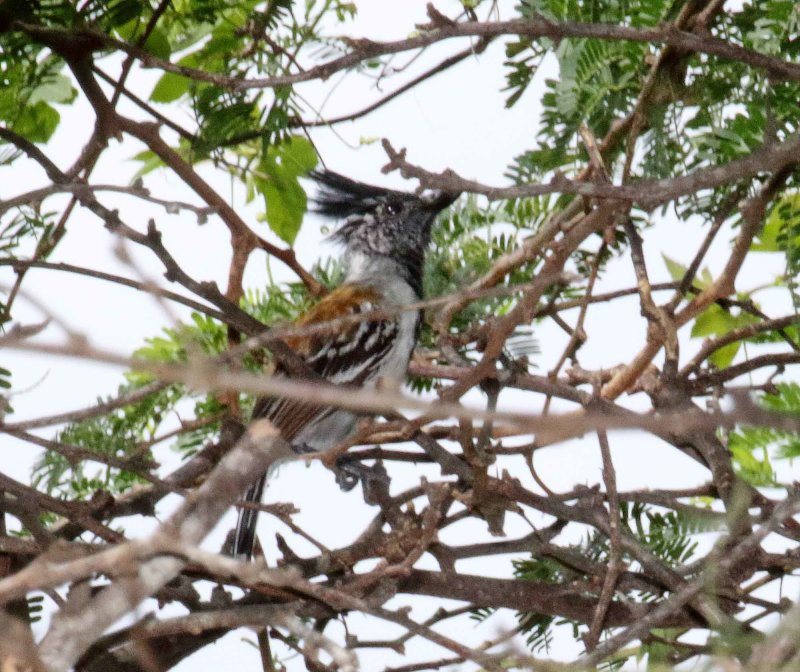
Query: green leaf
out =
(37, 122)
(277, 181)
(743, 447)
(676, 270)
(297, 155)
(716, 321)
(56, 89)
(221, 123)
(124, 13)
(781, 220)
(723, 357)
(170, 87)
(713, 321)
(156, 43)
(286, 204)
(704, 279)
(768, 237)
(767, 441)
(659, 652)
(5, 374)
(150, 161)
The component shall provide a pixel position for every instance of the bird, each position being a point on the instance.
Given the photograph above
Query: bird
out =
(385, 234)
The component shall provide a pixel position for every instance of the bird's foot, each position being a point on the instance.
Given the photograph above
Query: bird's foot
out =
(303, 449)
(349, 472)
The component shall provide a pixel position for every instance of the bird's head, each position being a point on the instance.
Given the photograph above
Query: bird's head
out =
(380, 222)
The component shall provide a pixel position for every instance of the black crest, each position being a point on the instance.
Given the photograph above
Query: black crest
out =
(340, 197)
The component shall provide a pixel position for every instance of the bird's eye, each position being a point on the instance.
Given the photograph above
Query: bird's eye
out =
(393, 208)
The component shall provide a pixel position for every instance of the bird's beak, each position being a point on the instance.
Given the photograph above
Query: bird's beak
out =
(437, 201)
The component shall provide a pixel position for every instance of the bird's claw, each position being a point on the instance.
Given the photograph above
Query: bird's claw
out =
(349, 472)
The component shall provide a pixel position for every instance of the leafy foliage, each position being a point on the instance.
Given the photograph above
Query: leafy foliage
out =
(598, 79)
(466, 243)
(5, 374)
(31, 86)
(27, 224)
(754, 448)
(120, 434)
(668, 535)
(276, 180)
(716, 320)
(781, 233)
(538, 628)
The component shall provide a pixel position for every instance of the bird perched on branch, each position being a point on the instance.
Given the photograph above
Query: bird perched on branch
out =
(385, 234)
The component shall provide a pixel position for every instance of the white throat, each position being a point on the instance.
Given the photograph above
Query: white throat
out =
(382, 273)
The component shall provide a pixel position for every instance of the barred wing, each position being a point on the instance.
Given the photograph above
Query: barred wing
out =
(348, 356)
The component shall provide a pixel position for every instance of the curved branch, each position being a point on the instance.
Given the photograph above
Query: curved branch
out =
(712, 345)
(774, 157)
(537, 27)
(529, 596)
(126, 282)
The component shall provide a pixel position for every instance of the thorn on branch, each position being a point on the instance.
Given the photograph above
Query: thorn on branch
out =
(438, 20)
(112, 221)
(396, 159)
(153, 234)
(211, 287)
(20, 331)
(361, 44)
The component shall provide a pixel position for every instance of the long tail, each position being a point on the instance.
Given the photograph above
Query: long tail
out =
(246, 523)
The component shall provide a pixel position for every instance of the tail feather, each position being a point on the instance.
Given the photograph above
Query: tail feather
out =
(248, 518)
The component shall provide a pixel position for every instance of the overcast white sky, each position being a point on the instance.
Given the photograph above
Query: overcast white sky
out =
(456, 120)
